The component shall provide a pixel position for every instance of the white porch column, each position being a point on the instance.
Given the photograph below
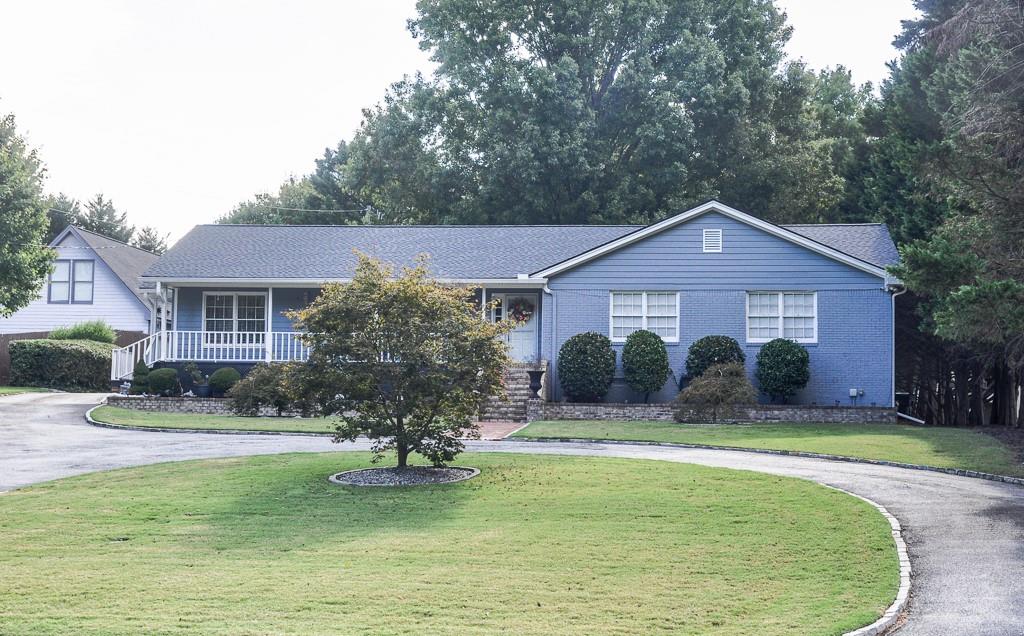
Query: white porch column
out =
(269, 338)
(483, 302)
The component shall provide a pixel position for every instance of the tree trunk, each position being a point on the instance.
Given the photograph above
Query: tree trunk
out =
(403, 454)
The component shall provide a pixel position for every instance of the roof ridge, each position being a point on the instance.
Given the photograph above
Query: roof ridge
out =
(419, 226)
(114, 240)
(830, 224)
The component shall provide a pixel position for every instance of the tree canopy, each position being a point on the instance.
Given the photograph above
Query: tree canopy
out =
(24, 259)
(402, 359)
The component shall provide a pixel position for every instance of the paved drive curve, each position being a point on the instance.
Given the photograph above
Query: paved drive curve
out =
(965, 536)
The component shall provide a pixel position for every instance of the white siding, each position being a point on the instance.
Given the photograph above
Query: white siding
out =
(112, 301)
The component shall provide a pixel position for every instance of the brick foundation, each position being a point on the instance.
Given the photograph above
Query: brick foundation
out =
(539, 410)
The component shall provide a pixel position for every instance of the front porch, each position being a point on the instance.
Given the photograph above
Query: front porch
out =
(244, 326)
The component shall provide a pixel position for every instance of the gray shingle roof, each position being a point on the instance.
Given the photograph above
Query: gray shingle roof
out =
(127, 262)
(869, 242)
(474, 252)
(327, 251)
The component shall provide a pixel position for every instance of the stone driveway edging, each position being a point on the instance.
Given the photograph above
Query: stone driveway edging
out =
(959, 472)
(893, 612)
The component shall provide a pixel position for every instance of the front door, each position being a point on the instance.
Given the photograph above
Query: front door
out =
(522, 340)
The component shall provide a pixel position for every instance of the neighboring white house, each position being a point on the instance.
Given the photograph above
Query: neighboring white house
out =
(94, 278)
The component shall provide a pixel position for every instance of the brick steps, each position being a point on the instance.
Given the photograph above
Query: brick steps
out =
(517, 392)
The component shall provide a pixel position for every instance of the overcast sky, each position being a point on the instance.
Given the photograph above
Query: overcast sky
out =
(178, 109)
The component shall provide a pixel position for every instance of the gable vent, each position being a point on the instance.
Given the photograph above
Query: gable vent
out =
(713, 240)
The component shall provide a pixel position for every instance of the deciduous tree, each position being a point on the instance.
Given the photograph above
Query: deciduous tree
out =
(401, 359)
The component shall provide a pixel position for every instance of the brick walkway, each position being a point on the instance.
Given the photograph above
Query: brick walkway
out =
(499, 430)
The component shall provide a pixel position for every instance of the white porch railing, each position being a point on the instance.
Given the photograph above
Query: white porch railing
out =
(209, 346)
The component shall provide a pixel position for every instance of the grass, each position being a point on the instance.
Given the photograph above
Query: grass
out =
(150, 419)
(932, 446)
(533, 545)
(16, 390)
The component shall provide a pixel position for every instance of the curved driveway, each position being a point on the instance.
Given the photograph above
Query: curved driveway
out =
(965, 536)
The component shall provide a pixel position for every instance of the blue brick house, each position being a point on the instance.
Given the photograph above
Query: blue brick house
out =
(712, 270)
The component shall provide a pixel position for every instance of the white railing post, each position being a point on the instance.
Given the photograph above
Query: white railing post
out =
(268, 340)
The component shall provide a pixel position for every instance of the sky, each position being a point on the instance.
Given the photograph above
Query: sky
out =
(179, 109)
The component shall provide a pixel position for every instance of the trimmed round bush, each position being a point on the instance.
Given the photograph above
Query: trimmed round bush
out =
(712, 350)
(645, 362)
(714, 393)
(223, 379)
(783, 368)
(586, 366)
(95, 330)
(264, 385)
(68, 365)
(164, 382)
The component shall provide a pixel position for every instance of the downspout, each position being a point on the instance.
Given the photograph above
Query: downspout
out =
(892, 357)
(554, 338)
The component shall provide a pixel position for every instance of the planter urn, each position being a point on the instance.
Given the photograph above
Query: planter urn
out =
(535, 382)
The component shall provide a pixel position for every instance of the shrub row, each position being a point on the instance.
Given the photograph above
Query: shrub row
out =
(586, 368)
(68, 365)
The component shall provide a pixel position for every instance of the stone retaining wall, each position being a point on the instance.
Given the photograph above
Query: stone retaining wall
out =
(197, 405)
(539, 410)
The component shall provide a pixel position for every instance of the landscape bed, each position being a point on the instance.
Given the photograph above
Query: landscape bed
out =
(925, 445)
(266, 544)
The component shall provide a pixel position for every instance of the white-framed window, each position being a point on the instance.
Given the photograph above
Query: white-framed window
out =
(791, 315)
(234, 312)
(71, 281)
(635, 310)
(713, 240)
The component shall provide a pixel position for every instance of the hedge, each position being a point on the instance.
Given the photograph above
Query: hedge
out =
(68, 365)
(783, 368)
(645, 362)
(712, 350)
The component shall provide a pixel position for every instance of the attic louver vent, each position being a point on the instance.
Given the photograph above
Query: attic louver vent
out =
(712, 240)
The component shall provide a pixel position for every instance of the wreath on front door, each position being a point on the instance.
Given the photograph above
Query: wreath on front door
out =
(521, 310)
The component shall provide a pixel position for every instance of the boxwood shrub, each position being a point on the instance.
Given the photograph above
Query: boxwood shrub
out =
(164, 382)
(783, 368)
(68, 365)
(645, 362)
(223, 379)
(712, 350)
(264, 385)
(586, 366)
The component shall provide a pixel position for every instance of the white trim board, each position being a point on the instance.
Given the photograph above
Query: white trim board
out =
(711, 206)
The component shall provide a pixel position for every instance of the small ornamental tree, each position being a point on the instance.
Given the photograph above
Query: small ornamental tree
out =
(264, 385)
(712, 350)
(716, 390)
(586, 367)
(401, 359)
(645, 362)
(783, 368)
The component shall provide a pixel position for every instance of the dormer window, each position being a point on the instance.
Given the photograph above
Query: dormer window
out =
(713, 240)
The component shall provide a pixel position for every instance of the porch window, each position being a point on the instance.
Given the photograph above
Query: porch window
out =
(657, 312)
(791, 315)
(232, 313)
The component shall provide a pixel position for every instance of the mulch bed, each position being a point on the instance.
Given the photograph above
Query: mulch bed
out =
(409, 476)
(1012, 437)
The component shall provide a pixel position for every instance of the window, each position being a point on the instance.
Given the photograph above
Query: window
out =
(232, 313)
(71, 281)
(713, 240)
(792, 315)
(655, 311)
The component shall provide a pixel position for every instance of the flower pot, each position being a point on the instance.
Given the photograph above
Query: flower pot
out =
(202, 390)
(535, 382)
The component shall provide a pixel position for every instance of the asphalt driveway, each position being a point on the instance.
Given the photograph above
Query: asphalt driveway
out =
(965, 536)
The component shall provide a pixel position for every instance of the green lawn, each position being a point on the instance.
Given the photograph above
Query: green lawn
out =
(149, 419)
(534, 545)
(934, 446)
(15, 390)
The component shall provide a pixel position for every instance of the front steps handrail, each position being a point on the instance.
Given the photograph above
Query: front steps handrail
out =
(123, 359)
